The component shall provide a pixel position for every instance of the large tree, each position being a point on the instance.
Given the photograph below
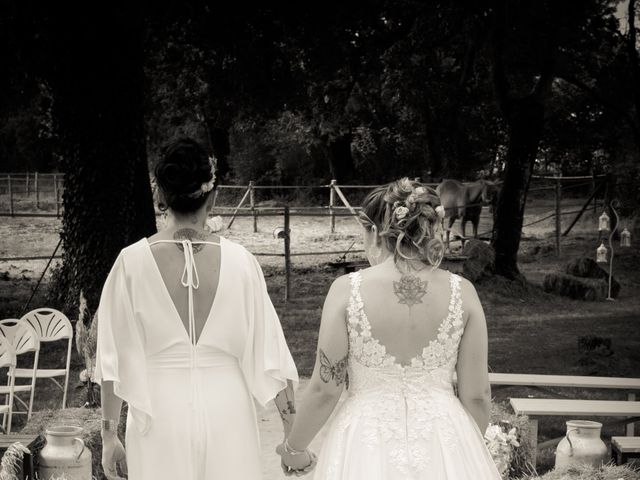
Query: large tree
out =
(94, 64)
(529, 45)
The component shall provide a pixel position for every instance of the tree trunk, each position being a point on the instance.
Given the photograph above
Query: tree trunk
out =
(634, 61)
(525, 128)
(98, 89)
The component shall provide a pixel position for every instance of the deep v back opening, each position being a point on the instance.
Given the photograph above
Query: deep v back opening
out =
(189, 279)
(366, 325)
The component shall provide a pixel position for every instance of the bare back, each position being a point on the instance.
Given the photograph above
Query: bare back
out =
(170, 260)
(405, 311)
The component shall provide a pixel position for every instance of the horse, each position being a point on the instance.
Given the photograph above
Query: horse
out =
(465, 201)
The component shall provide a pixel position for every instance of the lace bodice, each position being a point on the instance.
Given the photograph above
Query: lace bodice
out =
(403, 406)
(440, 353)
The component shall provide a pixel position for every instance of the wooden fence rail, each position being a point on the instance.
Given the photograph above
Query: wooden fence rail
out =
(338, 203)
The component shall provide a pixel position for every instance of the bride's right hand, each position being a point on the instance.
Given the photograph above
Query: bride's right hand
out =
(299, 464)
(113, 455)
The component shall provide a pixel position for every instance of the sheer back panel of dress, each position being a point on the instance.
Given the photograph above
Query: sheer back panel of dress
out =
(404, 332)
(169, 259)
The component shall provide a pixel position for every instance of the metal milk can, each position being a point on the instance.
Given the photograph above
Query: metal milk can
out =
(64, 454)
(581, 445)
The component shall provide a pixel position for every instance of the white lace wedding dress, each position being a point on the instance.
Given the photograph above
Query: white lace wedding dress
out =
(403, 422)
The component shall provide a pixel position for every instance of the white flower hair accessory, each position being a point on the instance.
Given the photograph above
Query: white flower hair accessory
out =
(440, 211)
(206, 187)
(401, 212)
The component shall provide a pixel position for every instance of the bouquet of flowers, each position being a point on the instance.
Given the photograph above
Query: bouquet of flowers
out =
(501, 443)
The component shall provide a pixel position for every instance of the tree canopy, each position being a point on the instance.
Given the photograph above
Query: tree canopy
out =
(303, 93)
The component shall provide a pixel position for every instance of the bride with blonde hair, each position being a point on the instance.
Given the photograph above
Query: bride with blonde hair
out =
(394, 335)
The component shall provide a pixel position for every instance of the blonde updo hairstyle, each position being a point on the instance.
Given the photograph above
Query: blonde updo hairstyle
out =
(404, 214)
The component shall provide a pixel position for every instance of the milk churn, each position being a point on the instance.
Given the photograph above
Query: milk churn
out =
(581, 445)
(64, 454)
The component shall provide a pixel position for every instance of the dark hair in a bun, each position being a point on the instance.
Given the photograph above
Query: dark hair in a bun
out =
(182, 169)
(405, 217)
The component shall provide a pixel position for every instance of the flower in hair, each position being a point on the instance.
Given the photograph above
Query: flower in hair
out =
(206, 187)
(420, 190)
(440, 211)
(400, 212)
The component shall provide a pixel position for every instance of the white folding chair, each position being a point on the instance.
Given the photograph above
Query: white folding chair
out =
(24, 339)
(7, 360)
(51, 326)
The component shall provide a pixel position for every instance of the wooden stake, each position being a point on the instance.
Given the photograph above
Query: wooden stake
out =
(55, 194)
(10, 194)
(332, 202)
(26, 187)
(37, 191)
(287, 254)
(252, 204)
(347, 204)
(235, 212)
(558, 214)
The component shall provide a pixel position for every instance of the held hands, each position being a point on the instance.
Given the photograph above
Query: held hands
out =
(113, 455)
(296, 463)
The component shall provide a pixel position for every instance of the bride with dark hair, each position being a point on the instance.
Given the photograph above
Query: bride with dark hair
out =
(187, 335)
(394, 334)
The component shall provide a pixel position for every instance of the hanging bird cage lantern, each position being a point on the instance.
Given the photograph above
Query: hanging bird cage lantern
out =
(601, 254)
(625, 238)
(603, 222)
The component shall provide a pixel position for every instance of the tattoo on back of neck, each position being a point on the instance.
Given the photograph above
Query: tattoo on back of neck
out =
(410, 290)
(190, 234)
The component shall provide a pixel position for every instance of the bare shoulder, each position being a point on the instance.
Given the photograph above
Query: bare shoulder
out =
(467, 288)
(471, 304)
(339, 291)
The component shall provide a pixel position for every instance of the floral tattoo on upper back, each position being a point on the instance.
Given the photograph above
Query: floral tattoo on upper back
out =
(410, 290)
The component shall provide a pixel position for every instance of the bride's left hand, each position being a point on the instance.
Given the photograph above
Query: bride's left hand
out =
(296, 464)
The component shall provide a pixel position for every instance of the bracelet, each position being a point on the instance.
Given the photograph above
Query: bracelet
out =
(292, 451)
(109, 425)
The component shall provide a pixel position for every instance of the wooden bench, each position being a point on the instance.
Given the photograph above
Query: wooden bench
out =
(542, 382)
(534, 407)
(623, 448)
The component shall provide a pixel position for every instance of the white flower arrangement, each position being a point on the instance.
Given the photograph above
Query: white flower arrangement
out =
(501, 445)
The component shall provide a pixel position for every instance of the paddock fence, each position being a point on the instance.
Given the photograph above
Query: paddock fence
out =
(39, 195)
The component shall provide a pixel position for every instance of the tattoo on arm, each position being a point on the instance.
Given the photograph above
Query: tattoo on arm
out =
(410, 290)
(333, 371)
(286, 404)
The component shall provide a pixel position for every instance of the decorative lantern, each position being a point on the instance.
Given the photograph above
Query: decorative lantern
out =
(625, 238)
(601, 254)
(603, 224)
